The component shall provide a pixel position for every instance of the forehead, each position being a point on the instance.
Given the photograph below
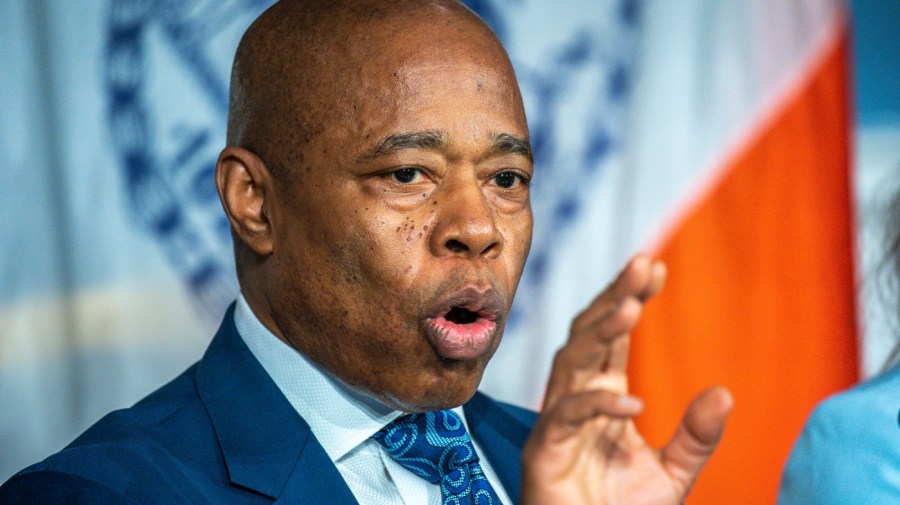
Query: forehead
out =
(431, 78)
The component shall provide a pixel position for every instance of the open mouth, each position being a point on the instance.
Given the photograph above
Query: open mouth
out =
(464, 323)
(461, 315)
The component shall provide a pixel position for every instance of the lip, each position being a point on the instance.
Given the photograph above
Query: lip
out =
(464, 341)
(484, 302)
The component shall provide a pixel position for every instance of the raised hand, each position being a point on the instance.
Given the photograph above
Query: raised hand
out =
(584, 448)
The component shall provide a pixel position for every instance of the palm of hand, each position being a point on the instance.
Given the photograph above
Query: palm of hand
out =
(631, 471)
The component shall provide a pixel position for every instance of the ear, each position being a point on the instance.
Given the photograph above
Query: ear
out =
(246, 191)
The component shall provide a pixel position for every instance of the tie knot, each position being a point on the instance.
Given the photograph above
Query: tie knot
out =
(436, 447)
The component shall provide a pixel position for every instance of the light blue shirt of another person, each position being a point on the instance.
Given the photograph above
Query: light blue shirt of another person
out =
(849, 450)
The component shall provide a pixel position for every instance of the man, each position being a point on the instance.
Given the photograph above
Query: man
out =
(376, 182)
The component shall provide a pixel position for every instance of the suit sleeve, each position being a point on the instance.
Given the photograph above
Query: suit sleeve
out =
(50, 487)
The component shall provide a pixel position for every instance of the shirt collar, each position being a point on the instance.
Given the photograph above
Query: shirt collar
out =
(340, 417)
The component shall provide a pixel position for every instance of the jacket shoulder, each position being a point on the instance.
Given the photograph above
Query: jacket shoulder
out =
(484, 400)
(57, 487)
(525, 416)
(162, 448)
(505, 417)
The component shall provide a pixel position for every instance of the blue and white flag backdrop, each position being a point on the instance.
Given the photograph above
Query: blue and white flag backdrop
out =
(116, 260)
(116, 265)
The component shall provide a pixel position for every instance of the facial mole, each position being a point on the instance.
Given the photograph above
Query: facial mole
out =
(425, 227)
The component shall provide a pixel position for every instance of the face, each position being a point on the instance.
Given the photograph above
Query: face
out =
(399, 245)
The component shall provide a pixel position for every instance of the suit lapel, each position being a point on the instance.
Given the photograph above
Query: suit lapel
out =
(267, 447)
(501, 435)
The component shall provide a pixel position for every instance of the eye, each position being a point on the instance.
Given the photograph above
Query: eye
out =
(508, 180)
(406, 175)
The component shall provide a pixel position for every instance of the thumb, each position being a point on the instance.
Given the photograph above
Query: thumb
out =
(697, 436)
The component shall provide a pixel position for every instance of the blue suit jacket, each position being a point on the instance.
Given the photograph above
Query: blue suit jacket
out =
(222, 432)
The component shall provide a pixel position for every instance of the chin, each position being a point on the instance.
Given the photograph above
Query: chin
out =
(419, 405)
(441, 398)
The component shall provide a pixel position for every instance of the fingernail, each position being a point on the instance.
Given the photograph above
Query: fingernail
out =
(659, 266)
(629, 402)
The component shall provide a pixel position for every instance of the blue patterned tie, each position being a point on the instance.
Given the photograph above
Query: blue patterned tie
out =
(436, 447)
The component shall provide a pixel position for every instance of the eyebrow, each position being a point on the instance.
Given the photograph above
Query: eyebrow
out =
(504, 143)
(397, 142)
(501, 143)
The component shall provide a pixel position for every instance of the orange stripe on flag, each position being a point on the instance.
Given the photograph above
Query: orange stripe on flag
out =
(760, 295)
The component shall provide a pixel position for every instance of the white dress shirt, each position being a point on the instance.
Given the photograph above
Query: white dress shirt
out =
(344, 421)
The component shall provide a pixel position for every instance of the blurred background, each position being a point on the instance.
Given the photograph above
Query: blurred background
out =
(752, 144)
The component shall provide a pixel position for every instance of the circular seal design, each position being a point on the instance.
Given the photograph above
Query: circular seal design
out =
(161, 55)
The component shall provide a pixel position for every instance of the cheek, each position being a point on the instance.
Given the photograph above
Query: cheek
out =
(391, 249)
(517, 236)
(525, 236)
(345, 308)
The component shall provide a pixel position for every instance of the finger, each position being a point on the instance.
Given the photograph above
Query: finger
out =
(617, 323)
(697, 437)
(633, 280)
(619, 349)
(617, 362)
(592, 348)
(658, 273)
(575, 410)
(581, 360)
(594, 344)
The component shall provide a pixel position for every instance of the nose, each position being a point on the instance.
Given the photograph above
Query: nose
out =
(466, 224)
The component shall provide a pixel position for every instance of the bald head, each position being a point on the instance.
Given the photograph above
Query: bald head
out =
(303, 66)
